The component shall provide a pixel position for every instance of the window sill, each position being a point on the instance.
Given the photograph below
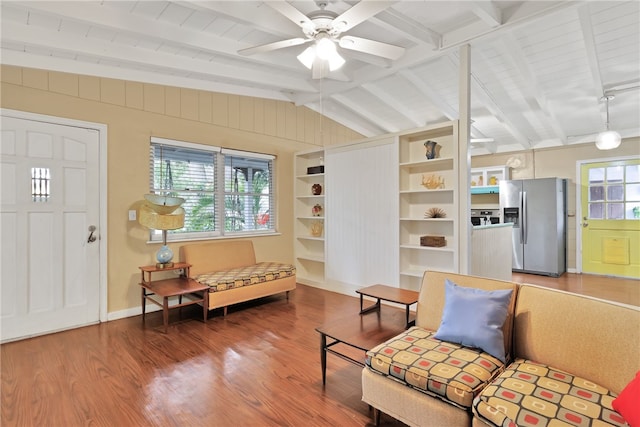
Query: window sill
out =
(225, 237)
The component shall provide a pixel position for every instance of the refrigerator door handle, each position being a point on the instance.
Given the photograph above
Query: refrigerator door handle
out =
(523, 213)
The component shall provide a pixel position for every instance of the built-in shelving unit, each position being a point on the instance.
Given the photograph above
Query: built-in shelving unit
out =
(416, 199)
(487, 180)
(309, 244)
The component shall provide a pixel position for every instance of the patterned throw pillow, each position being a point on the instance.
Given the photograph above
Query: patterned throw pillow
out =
(532, 394)
(474, 318)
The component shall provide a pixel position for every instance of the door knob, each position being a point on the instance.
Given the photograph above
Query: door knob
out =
(91, 238)
(585, 224)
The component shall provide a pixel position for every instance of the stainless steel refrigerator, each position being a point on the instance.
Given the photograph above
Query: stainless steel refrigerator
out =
(538, 210)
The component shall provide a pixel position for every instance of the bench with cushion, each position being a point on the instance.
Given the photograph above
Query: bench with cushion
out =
(230, 269)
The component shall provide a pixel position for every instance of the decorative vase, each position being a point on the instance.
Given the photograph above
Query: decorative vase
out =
(316, 189)
(316, 210)
(432, 149)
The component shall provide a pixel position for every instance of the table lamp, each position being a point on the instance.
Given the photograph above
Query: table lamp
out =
(162, 213)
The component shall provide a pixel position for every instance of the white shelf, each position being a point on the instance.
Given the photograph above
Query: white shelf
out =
(419, 272)
(319, 239)
(413, 273)
(311, 197)
(428, 248)
(309, 250)
(428, 219)
(310, 258)
(439, 163)
(310, 176)
(437, 190)
(415, 199)
(487, 180)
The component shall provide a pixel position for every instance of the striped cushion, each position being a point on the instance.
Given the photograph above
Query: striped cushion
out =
(532, 394)
(445, 370)
(245, 276)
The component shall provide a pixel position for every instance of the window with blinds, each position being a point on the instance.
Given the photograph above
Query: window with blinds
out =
(226, 192)
(248, 192)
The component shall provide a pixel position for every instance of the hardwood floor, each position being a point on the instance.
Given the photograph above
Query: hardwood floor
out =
(259, 366)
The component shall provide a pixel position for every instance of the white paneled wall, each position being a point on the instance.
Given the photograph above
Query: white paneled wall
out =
(362, 235)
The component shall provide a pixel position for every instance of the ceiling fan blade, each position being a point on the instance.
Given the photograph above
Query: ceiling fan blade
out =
(372, 47)
(362, 11)
(273, 46)
(290, 12)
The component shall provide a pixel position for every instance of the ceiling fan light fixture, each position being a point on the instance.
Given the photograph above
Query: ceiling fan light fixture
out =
(330, 56)
(609, 139)
(307, 56)
(325, 48)
(335, 62)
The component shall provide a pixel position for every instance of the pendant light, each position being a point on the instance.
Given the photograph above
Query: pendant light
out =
(608, 139)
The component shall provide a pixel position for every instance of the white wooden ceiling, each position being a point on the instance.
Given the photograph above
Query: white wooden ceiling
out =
(539, 68)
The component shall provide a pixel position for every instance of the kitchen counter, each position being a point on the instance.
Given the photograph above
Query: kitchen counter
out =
(481, 227)
(491, 251)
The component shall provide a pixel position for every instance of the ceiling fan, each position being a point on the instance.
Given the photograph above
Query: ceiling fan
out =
(325, 28)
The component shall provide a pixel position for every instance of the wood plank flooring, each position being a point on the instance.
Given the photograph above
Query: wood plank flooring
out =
(259, 366)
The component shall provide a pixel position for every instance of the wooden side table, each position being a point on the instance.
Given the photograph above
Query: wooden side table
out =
(391, 294)
(171, 288)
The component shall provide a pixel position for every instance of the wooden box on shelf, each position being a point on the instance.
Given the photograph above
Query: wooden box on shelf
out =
(435, 241)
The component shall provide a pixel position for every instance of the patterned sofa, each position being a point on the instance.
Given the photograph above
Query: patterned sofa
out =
(566, 358)
(230, 269)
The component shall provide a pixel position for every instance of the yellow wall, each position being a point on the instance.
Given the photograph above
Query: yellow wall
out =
(559, 162)
(136, 111)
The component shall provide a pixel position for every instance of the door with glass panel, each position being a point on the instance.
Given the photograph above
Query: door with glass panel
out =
(610, 198)
(49, 212)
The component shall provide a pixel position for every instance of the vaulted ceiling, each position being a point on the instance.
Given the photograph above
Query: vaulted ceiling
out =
(539, 68)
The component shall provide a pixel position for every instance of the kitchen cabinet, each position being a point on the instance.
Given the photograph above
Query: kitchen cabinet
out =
(310, 217)
(487, 180)
(427, 184)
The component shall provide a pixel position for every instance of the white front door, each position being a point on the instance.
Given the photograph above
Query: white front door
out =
(50, 200)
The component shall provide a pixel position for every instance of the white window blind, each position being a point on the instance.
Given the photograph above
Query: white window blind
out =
(226, 192)
(248, 192)
(190, 173)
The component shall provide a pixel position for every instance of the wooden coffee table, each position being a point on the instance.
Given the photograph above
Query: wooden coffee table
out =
(360, 331)
(391, 294)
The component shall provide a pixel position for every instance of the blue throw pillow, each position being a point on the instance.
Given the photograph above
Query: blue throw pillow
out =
(474, 318)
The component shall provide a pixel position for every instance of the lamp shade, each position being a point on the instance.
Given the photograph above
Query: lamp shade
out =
(608, 140)
(151, 219)
(163, 204)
